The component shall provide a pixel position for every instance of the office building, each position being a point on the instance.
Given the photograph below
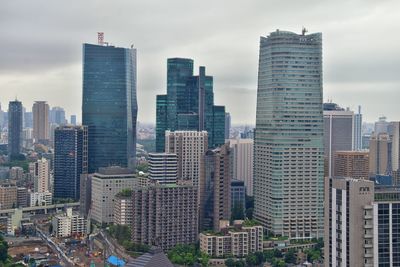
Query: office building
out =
(41, 175)
(379, 154)
(123, 208)
(70, 160)
(73, 120)
(106, 184)
(227, 125)
(381, 126)
(338, 133)
(354, 164)
(69, 224)
(163, 168)
(8, 197)
(57, 116)
(238, 240)
(238, 195)
(40, 199)
(357, 143)
(188, 104)
(215, 188)
(15, 126)
(41, 124)
(190, 147)
(349, 229)
(85, 196)
(109, 107)
(288, 146)
(28, 120)
(165, 215)
(394, 135)
(242, 162)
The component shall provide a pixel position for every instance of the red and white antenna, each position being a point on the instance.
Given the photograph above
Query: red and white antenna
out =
(100, 38)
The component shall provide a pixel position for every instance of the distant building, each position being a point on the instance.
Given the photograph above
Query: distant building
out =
(338, 133)
(381, 126)
(106, 184)
(40, 199)
(85, 199)
(15, 116)
(394, 135)
(238, 195)
(163, 168)
(41, 175)
(188, 104)
(28, 120)
(155, 257)
(165, 215)
(16, 173)
(242, 162)
(190, 147)
(123, 207)
(379, 154)
(109, 107)
(354, 164)
(8, 197)
(70, 160)
(239, 240)
(215, 190)
(227, 125)
(73, 120)
(22, 197)
(41, 124)
(57, 116)
(357, 143)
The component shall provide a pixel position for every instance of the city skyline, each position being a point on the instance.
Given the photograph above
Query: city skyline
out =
(35, 64)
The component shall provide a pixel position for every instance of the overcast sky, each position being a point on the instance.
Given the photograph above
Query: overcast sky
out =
(41, 48)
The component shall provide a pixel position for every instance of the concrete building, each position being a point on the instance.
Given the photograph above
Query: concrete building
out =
(379, 154)
(123, 208)
(41, 130)
(165, 215)
(349, 222)
(338, 133)
(394, 135)
(357, 143)
(40, 199)
(242, 162)
(227, 125)
(238, 241)
(69, 224)
(85, 199)
(42, 175)
(106, 184)
(190, 147)
(354, 164)
(381, 126)
(8, 197)
(288, 146)
(163, 168)
(22, 197)
(215, 188)
(16, 173)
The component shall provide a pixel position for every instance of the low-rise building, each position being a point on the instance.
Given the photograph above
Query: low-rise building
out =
(16, 173)
(40, 199)
(22, 197)
(123, 208)
(69, 224)
(242, 238)
(8, 197)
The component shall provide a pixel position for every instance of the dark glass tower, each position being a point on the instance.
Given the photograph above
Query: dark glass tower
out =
(14, 128)
(188, 104)
(70, 160)
(109, 107)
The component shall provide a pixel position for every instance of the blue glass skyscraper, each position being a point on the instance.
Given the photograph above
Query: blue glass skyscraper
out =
(14, 128)
(288, 145)
(189, 104)
(109, 107)
(70, 160)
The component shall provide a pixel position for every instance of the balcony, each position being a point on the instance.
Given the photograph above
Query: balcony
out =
(368, 217)
(367, 245)
(368, 255)
(367, 226)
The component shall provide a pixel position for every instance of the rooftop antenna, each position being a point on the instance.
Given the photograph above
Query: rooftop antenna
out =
(303, 31)
(100, 38)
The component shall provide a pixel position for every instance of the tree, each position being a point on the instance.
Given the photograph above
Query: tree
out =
(260, 257)
(3, 250)
(230, 262)
(290, 257)
(251, 260)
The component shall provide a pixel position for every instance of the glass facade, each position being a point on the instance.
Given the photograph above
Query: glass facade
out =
(70, 160)
(288, 148)
(388, 234)
(109, 107)
(189, 104)
(14, 128)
